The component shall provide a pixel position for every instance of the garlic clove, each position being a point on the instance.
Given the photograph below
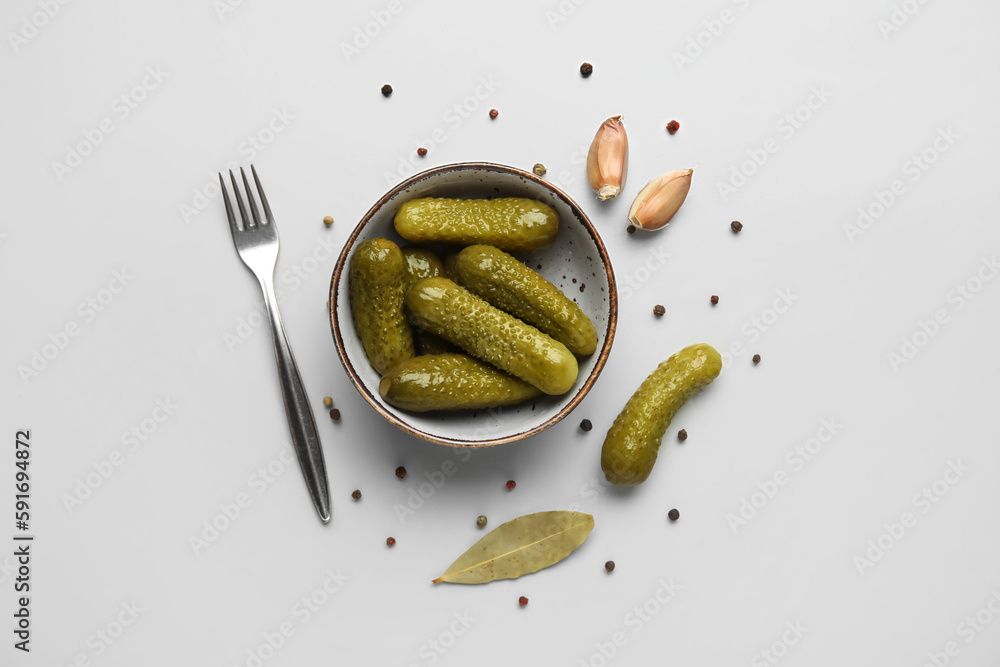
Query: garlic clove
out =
(607, 161)
(658, 202)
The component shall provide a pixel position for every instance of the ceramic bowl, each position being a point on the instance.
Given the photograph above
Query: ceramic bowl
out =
(576, 262)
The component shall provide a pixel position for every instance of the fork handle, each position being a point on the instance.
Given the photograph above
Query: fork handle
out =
(301, 423)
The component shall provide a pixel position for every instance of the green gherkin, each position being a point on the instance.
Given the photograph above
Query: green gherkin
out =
(457, 315)
(451, 382)
(511, 286)
(450, 260)
(633, 441)
(423, 263)
(509, 223)
(377, 278)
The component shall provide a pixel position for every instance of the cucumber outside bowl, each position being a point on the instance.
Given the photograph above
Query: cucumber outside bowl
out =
(576, 262)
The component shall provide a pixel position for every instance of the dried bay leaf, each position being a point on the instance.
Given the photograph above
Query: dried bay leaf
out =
(520, 546)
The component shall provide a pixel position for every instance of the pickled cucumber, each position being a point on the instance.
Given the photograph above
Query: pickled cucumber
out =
(449, 265)
(511, 286)
(456, 314)
(451, 382)
(632, 443)
(377, 278)
(421, 263)
(509, 223)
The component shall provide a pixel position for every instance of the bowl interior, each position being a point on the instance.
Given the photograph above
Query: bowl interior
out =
(576, 262)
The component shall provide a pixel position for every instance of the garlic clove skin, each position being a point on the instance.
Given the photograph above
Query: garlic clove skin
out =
(658, 202)
(607, 161)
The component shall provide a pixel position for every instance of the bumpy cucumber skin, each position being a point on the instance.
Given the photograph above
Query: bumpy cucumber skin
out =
(377, 283)
(509, 285)
(510, 223)
(421, 263)
(451, 382)
(633, 441)
(487, 333)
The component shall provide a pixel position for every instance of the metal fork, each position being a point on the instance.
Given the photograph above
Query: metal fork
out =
(257, 244)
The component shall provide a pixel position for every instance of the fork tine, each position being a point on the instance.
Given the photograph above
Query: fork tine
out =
(239, 201)
(263, 197)
(229, 207)
(250, 198)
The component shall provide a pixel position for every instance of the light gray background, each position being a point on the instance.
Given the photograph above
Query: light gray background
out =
(854, 298)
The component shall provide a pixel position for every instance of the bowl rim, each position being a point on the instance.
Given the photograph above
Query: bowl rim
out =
(458, 442)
